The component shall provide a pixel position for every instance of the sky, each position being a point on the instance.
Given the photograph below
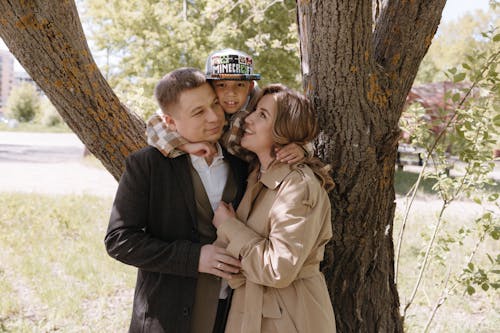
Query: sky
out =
(452, 10)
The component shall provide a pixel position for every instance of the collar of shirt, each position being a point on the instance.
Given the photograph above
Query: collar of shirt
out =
(200, 164)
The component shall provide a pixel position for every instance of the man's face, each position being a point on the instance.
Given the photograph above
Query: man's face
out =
(232, 94)
(197, 116)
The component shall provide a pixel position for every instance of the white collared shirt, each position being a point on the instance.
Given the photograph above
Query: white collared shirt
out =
(214, 178)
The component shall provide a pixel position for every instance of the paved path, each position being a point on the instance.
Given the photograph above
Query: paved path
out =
(49, 163)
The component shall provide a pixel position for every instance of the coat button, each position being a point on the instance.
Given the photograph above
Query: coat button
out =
(185, 311)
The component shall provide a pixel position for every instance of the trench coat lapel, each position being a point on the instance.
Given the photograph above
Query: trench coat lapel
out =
(253, 190)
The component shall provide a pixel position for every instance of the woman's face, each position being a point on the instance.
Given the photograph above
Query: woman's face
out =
(258, 136)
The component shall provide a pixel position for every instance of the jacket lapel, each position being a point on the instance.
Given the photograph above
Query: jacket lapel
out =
(185, 184)
(239, 172)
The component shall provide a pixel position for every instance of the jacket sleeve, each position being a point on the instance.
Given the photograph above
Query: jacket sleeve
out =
(296, 222)
(127, 238)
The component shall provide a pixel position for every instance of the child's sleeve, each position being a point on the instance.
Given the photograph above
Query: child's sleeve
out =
(162, 138)
(308, 149)
(231, 139)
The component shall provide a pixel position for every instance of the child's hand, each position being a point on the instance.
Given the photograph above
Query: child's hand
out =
(203, 149)
(291, 153)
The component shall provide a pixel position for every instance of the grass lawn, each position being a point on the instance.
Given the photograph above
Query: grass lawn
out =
(35, 127)
(55, 274)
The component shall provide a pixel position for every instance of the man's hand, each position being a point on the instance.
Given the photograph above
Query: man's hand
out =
(291, 153)
(203, 149)
(217, 261)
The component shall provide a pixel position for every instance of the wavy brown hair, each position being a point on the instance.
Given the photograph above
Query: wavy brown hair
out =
(296, 122)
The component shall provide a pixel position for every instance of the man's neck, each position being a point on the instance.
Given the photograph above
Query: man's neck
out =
(210, 158)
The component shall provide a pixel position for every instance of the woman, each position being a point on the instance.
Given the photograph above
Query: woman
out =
(281, 227)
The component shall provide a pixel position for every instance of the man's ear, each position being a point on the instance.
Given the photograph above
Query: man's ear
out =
(170, 121)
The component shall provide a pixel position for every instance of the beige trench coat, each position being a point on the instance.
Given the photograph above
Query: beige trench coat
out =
(281, 244)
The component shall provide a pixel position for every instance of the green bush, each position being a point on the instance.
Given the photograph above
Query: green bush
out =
(23, 103)
(49, 115)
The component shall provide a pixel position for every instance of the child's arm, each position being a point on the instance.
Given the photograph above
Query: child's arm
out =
(162, 138)
(292, 152)
(231, 139)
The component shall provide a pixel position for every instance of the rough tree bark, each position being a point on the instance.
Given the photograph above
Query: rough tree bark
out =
(47, 39)
(357, 72)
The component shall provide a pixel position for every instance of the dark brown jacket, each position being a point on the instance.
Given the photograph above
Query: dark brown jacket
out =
(153, 226)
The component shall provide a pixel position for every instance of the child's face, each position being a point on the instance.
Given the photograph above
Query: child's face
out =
(232, 94)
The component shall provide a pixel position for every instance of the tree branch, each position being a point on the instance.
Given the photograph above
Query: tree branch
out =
(402, 36)
(49, 43)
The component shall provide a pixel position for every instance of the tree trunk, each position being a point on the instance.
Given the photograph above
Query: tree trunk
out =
(358, 78)
(47, 39)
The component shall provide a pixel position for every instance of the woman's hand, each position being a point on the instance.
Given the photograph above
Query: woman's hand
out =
(222, 213)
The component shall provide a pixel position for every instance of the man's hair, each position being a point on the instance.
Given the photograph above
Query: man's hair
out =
(170, 87)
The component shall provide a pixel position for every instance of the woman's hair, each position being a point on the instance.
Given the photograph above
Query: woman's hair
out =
(296, 122)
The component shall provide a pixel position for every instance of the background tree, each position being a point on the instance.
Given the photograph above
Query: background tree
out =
(356, 69)
(147, 39)
(456, 40)
(23, 103)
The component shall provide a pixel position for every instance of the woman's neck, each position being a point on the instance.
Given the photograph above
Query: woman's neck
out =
(265, 161)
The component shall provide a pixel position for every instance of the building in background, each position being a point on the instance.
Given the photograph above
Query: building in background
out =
(6, 77)
(23, 77)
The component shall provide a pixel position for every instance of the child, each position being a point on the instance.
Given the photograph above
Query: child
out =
(232, 77)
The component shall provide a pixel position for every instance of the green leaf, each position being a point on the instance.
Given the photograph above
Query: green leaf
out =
(493, 197)
(496, 38)
(495, 271)
(458, 77)
(491, 260)
(470, 290)
(456, 97)
(466, 66)
(452, 70)
(471, 266)
(485, 286)
(496, 120)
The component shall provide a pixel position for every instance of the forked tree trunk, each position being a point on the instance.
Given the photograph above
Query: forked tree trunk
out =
(358, 78)
(47, 39)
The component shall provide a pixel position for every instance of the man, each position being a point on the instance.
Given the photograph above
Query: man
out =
(161, 216)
